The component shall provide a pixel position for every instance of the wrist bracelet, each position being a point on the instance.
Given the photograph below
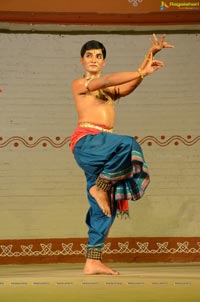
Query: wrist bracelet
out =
(147, 58)
(140, 73)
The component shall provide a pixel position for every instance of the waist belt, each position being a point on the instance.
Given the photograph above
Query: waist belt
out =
(90, 125)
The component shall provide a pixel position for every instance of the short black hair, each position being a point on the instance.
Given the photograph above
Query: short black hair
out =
(93, 45)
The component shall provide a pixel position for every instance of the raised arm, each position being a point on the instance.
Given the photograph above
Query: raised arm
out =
(123, 83)
(157, 46)
(124, 80)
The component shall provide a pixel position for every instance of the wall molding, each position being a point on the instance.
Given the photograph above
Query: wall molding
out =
(129, 249)
(151, 18)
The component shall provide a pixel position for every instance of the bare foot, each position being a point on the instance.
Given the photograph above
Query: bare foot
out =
(95, 267)
(102, 199)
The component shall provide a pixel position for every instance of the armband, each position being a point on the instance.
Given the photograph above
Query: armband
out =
(87, 83)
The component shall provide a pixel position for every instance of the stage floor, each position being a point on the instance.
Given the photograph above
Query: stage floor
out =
(67, 283)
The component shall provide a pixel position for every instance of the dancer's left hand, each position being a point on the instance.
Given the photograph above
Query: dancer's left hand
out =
(158, 45)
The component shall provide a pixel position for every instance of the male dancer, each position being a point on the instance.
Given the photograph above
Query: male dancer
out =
(113, 164)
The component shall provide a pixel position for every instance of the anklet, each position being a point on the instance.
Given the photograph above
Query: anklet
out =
(101, 184)
(93, 253)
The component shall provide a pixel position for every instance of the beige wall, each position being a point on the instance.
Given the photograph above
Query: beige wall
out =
(42, 191)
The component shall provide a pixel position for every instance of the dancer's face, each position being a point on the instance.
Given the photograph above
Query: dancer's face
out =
(93, 61)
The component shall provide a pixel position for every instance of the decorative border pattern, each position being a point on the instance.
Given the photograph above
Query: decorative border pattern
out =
(176, 139)
(45, 141)
(159, 249)
(123, 248)
(144, 247)
(45, 250)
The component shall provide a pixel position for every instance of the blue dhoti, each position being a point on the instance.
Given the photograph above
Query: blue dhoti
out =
(119, 160)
